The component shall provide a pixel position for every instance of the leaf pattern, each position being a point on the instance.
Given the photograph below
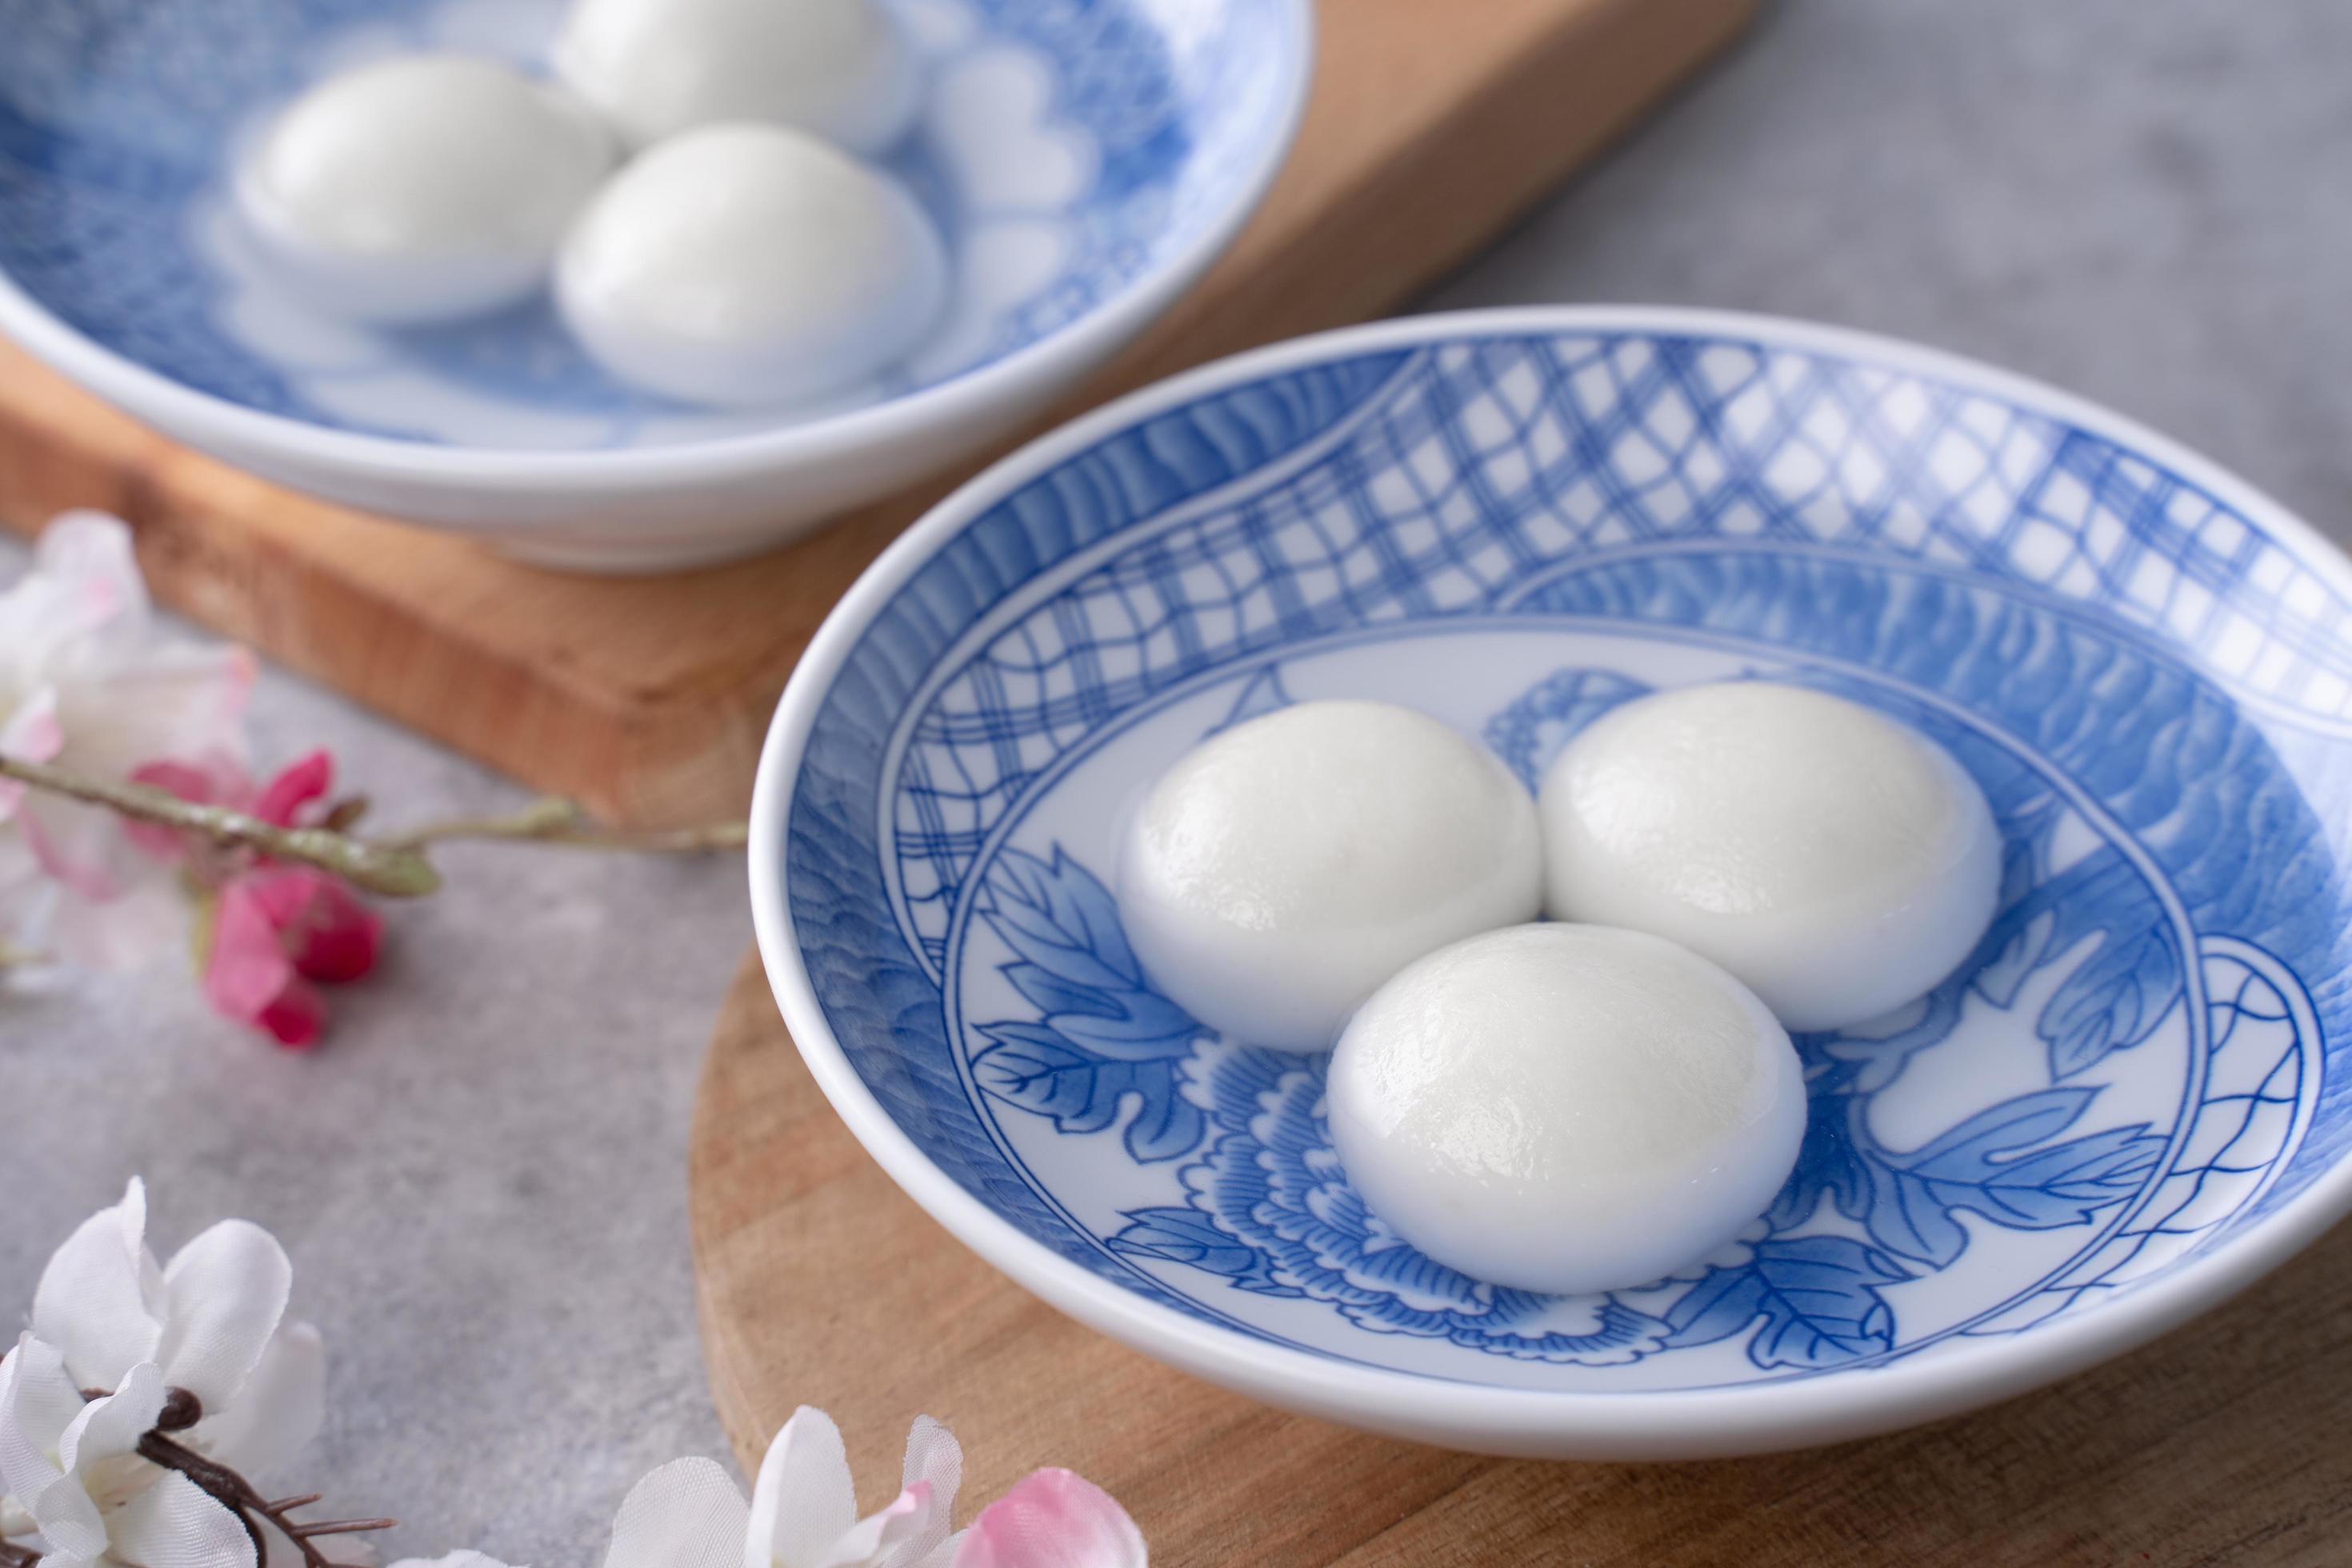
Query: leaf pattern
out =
(1105, 1040)
(1817, 1296)
(1185, 1236)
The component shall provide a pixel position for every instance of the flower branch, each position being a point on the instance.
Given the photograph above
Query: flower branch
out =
(393, 866)
(553, 819)
(391, 870)
(127, 811)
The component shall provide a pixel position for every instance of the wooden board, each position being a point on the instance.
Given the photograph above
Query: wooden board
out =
(820, 1283)
(1431, 126)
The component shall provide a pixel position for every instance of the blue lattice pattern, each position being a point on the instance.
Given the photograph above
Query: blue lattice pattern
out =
(1486, 464)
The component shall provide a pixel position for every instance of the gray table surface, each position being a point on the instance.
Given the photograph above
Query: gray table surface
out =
(481, 1179)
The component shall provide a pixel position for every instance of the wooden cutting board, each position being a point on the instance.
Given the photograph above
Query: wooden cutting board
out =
(820, 1283)
(1431, 125)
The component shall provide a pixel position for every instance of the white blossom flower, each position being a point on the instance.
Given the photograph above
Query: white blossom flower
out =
(210, 1321)
(72, 1468)
(91, 682)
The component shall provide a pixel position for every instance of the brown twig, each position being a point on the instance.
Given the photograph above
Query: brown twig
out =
(17, 1556)
(234, 1493)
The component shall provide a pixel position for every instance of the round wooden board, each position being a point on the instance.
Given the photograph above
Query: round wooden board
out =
(820, 1283)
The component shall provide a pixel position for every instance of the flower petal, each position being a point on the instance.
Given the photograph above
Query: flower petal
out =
(67, 1520)
(227, 1290)
(804, 1501)
(297, 784)
(278, 1412)
(87, 554)
(173, 1524)
(79, 846)
(38, 1399)
(688, 1513)
(903, 1533)
(145, 921)
(40, 1473)
(934, 1462)
(1053, 1519)
(111, 1427)
(220, 783)
(459, 1559)
(96, 1301)
(38, 1402)
(322, 925)
(933, 1454)
(31, 734)
(249, 976)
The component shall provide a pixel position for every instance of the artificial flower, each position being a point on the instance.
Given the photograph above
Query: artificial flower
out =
(73, 1473)
(210, 1321)
(250, 977)
(275, 929)
(90, 682)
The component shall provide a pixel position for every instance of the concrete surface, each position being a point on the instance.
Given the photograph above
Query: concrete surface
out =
(481, 1179)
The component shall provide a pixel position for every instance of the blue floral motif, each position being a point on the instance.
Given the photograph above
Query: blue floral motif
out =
(1104, 1035)
(1271, 1211)
(1274, 1212)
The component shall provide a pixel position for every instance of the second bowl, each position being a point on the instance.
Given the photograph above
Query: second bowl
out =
(1086, 162)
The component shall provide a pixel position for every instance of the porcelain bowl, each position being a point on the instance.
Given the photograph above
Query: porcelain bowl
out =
(1086, 159)
(2129, 1102)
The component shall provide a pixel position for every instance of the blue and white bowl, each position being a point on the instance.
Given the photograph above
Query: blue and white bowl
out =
(2129, 1102)
(1086, 159)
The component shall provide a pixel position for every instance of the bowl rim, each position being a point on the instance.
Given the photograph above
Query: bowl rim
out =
(1632, 1424)
(215, 423)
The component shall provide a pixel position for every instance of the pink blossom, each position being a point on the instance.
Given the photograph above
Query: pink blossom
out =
(275, 929)
(251, 977)
(1052, 1519)
(327, 933)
